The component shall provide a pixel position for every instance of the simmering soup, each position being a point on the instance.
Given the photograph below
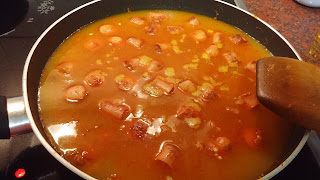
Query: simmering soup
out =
(160, 95)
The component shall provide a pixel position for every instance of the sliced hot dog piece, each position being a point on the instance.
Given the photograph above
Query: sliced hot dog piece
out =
(137, 20)
(75, 93)
(157, 16)
(165, 86)
(135, 42)
(65, 67)
(199, 35)
(94, 78)
(237, 39)
(249, 100)
(252, 66)
(118, 111)
(168, 153)
(107, 29)
(194, 21)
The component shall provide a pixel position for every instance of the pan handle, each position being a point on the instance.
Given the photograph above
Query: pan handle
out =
(13, 118)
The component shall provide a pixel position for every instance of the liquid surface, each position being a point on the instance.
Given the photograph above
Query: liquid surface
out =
(160, 95)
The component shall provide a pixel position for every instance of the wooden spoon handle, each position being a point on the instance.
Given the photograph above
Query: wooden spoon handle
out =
(290, 88)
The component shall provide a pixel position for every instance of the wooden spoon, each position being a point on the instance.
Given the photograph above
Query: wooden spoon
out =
(291, 89)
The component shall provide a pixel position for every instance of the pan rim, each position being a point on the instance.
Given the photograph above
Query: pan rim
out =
(74, 169)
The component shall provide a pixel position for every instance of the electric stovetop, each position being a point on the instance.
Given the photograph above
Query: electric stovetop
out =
(23, 157)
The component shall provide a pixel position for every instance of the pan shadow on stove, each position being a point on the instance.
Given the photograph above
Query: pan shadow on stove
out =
(37, 164)
(12, 12)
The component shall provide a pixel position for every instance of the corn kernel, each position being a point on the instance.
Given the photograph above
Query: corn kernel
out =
(169, 71)
(119, 78)
(223, 69)
(194, 105)
(193, 122)
(205, 56)
(176, 49)
(174, 42)
(190, 66)
(219, 45)
(145, 60)
(224, 88)
(183, 36)
(99, 62)
(146, 75)
(210, 31)
(233, 64)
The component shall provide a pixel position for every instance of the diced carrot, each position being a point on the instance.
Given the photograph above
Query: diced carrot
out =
(94, 78)
(118, 111)
(251, 66)
(165, 86)
(135, 42)
(168, 154)
(253, 137)
(157, 17)
(65, 67)
(107, 29)
(194, 21)
(75, 93)
(237, 39)
(137, 20)
(199, 35)
(175, 29)
(249, 99)
(230, 57)
(187, 112)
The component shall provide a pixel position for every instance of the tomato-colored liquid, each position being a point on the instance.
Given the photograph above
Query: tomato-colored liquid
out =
(106, 146)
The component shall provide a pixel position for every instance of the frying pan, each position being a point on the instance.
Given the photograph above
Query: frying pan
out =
(52, 37)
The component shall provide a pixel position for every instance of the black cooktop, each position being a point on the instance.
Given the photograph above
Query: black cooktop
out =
(23, 157)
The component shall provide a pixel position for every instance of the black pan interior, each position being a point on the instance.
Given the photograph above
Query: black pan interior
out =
(106, 8)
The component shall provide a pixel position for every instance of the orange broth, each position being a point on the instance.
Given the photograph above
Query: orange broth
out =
(225, 135)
